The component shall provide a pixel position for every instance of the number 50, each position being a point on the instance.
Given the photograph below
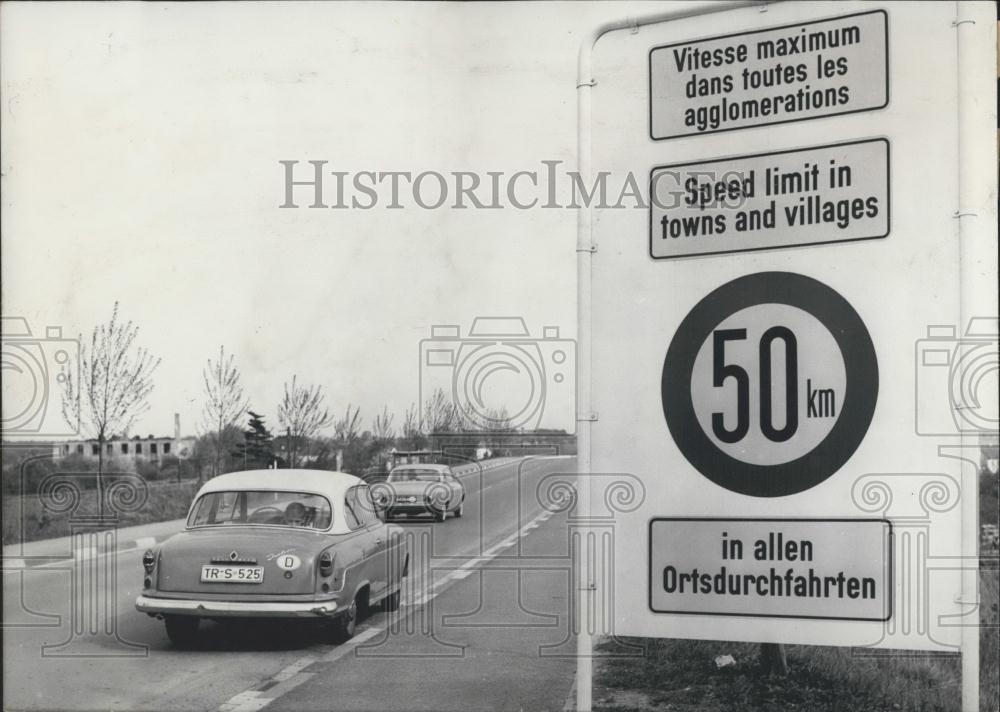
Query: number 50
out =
(722, 371)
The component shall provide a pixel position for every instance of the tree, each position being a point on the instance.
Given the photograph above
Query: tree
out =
(346, 429)
(302, 414)
(498, 422)
(411, 438)
(115, 382)
(357, 450)
(440, 414)
(382, 429)
(224, 402)
(205, 455)
(257, 448)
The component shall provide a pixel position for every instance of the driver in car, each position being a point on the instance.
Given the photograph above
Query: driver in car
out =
(295, 514)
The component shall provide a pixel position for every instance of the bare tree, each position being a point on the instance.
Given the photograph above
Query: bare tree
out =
(411, 436)
(224, 403)
(116, 379)
(302, 414)
(355, 449)
(498, 420)
(346, 429)
(440, 414)
(382, 428)
(411, 424)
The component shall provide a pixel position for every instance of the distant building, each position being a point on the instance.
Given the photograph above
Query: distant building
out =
(148, 449)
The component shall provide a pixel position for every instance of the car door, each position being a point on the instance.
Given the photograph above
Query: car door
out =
(376, 540)
(363, 537)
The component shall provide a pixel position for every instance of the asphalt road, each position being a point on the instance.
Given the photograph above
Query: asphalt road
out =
(484, 625)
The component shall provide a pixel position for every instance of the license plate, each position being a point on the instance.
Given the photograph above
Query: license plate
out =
(232, 574)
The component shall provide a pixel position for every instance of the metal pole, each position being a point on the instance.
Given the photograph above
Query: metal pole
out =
(977, 226)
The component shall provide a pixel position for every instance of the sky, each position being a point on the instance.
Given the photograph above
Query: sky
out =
(140, 164)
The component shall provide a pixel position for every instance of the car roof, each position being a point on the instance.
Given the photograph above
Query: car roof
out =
(331, 484)
(419, 466)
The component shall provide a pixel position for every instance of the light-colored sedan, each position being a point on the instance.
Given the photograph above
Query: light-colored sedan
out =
(421, 489)
(273, 544)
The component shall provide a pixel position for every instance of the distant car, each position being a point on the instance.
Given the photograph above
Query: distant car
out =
(275, 544)
(421, 489)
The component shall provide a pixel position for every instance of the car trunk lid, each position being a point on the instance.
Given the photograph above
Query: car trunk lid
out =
(282, 557)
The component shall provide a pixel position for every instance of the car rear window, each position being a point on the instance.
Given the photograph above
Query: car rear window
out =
(274, 508)
(415, 476)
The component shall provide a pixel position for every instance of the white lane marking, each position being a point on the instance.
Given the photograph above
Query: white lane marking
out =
(465, 569)
(290, 677)
(249, 701)
(294, 668)
(145, 542)
(253, 701)
(343, 649)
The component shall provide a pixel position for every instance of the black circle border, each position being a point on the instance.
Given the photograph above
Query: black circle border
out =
(860, 393)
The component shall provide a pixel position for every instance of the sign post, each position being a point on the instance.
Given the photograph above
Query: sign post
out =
(754, 335)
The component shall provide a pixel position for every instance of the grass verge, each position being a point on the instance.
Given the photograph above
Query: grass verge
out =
(24, 518)
(682, 676)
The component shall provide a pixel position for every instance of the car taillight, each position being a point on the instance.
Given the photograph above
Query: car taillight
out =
(148, 561)
(325, 564)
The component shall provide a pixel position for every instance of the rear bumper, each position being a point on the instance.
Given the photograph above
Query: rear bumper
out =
(239, 609)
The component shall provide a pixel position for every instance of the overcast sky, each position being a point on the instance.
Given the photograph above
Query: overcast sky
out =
(140, 163)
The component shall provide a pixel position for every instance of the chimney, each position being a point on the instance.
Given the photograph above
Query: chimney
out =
(177, 426)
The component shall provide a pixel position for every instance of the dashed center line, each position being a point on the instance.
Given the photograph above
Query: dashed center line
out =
(295, 674)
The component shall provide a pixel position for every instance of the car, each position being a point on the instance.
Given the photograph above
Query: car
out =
(276, 544)
(421, 489)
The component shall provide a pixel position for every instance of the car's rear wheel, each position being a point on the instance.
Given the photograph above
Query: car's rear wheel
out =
(346, 623)
(182, 630)
(440, 514)
(461, 509)
(391, 602)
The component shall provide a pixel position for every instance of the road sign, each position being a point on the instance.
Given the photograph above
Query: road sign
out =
(769, 384)
(806, 70)
(836, 193)
(748, 333)
(823, 569)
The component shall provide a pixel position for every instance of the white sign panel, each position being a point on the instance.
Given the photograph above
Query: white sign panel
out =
(800, 71)
(776, 568)
(806, 196)
(757, 326)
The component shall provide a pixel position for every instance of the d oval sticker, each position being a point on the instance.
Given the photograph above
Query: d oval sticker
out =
(288, 562)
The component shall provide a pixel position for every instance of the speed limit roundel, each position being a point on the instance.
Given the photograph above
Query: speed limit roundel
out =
(769, 384)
